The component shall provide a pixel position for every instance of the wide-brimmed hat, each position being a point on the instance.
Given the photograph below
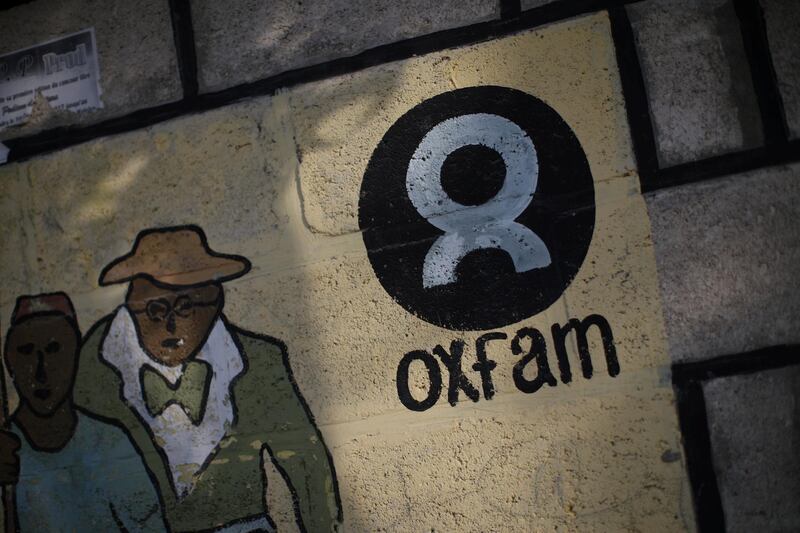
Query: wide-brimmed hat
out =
(178, 255)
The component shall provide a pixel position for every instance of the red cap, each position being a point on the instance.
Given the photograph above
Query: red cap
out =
(56, 302)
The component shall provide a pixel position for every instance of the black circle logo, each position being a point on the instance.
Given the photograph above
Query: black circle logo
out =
(477, 208)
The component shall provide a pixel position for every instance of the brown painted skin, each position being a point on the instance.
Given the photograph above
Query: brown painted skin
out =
(41, 356)
(173, 322)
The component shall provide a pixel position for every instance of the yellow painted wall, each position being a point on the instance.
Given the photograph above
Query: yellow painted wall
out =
(277, 179)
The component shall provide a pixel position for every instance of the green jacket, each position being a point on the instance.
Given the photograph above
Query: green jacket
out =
(271, 415)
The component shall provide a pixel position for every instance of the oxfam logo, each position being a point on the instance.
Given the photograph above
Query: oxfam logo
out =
(477, 208)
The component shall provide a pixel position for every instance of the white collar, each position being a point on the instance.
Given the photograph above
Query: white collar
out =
(188, 447)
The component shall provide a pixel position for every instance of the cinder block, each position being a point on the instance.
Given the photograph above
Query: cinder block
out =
(728, 254)
(697, 78)
(244, 40)
(755, 430)
(138, 67)
(783, 32)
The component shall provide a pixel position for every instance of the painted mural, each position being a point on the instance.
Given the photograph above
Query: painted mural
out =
(203, 402)
(51, 444)
(441, 265)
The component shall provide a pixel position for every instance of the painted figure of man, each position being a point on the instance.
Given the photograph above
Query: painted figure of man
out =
(72, 472)
(206, 401)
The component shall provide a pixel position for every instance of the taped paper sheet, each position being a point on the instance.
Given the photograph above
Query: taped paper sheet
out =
(64, 70)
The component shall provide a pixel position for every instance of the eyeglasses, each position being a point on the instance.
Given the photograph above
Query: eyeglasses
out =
(162, 309)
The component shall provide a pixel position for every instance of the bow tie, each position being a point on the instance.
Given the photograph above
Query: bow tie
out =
(190, 391)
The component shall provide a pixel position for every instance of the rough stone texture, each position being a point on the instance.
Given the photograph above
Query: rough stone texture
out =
(697, 79)
(81, 196)
(754, 422)
(244, 40)
(783, 32)
(578, 456)
(728, 255)
(436, 478)
(138, 68)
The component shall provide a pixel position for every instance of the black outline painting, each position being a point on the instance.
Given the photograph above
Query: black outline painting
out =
(48, 435)
(173, 318)
(477, 208)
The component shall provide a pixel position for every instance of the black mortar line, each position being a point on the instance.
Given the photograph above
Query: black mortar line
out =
(564, 9)
(635, 95)
(10, 4)
(510, 8)
(724, 165)
(734, 365)
(762, 70)
(183, 33)
(23, 148)
(693, 421)
(687, 380)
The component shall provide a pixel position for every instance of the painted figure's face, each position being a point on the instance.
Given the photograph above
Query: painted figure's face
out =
(41, 356)
(173, 322)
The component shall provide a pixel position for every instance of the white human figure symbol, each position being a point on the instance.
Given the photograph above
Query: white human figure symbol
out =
(489, 225)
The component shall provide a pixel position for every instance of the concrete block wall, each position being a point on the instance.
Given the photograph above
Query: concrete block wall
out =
(247, 40)
(136, 54)
(697, 79)
(765, 446)
(259, 122)
(731, 245)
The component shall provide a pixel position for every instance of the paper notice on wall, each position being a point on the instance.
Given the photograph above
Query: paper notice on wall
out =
(65, 71)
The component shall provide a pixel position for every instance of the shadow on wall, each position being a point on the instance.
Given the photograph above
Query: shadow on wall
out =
(236, 278)
(173, 215)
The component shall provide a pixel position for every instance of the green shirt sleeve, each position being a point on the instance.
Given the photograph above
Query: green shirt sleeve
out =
(293, 442)
(92, 379)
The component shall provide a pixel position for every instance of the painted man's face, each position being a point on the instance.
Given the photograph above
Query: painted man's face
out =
(173, 322)
(41, 356)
